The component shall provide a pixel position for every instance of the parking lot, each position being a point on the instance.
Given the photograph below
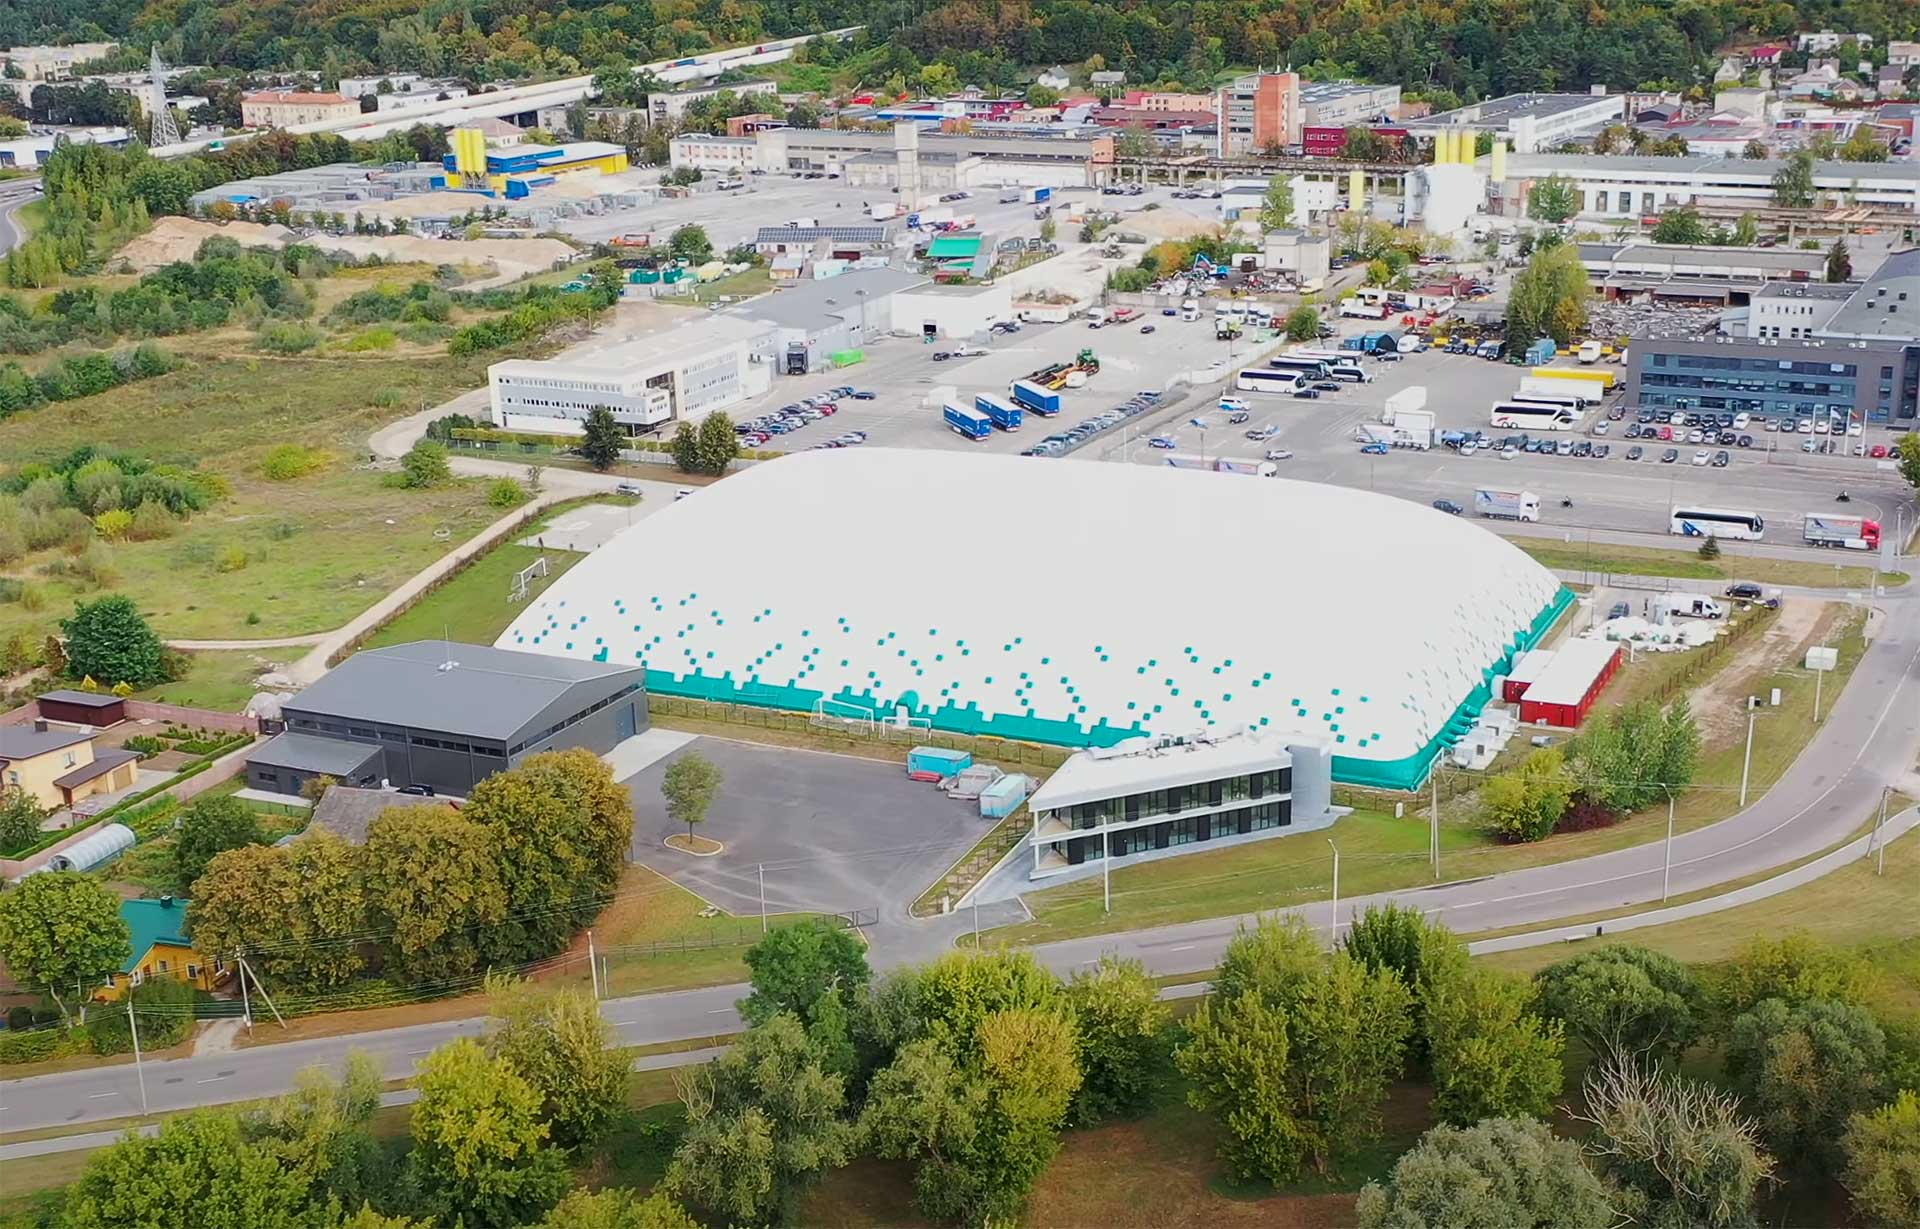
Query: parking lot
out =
(831, 833)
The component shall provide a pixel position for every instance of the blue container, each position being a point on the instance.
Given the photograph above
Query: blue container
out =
(1004, 796)
(936, 762)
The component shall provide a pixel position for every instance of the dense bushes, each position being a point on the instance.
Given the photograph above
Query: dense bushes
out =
(531, 312)
(80, 376)
(418, 301)
(165, 1007)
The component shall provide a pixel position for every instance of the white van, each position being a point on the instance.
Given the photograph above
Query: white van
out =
(1589, 352)
(1190, 311)
(1096, 317)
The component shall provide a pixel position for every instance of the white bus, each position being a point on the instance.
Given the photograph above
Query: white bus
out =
(1571, 401)
(1533, 416)
(1299, 364)
(1717, 523)
(1254, 380)
(1325, 356)
(1349, 369)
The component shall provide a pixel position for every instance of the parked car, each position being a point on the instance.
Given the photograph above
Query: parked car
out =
(1146, 328)
(1722, 459)
(1448, 506)
(1600, 428)
(1163, 441)
(1635, 453)
(1327, 386)
(1375, 449)
(1701, 457)
(1308, 394)
(1619, 610)
(941, 356)
(1669, 456)
(1602, 451)
(1279, 454)
(1878, 450)
(863, 395)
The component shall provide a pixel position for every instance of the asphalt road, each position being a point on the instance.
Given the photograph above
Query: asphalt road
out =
(13, 194)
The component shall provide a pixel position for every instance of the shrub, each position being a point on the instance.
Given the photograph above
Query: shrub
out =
(165, 1008)
(425, 465)
(151, 521)
(287, 337)
(232, 558)
(370, 339)
(286, 462)
(506, 493)
(113, 524)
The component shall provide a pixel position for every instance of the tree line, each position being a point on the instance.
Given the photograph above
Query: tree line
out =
(1452, 54)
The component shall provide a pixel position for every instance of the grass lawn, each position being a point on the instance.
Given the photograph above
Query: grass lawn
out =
(655, 939)
(1852, 907)
(1379, 853)
(473, 606)
(221, 679)
(1688, 565)
(734, 286)
(318, 549)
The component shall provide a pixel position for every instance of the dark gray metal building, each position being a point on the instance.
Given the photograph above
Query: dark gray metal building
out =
(446, 715)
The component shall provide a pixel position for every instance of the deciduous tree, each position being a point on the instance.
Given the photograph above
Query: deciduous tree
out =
(298, 912)
(63, 931)
(561, 827)
(1793, 182)
(1553, 199)
(211, 824)
(478, 1142)
(961, 989)
(1677, 1153)
(1681, 224)
(1303, 323)
(602, 438)
(1527, 803)
(1504, 1173)
(1794, 968)
(198, 1172)
(425, 465)
(1423, 954)
(690, 243)
(1624, 1001)
(718, 443)
(763, 1121)
(792, 967)
(1492, 1056)
(688, 788)
(1805, 1070)
(685, 447)
(1276, 208)
(560, 1043)
(618, 1208)
(1882, 1172)
(1241, 1065)
(433, 886)
(20, 818)
(1122, 1023)
(108, 641)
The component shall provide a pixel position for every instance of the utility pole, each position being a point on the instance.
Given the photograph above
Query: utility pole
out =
(1433, 835)
(762, 869)
(246, 1004)
(1333, 928)
(1818, 676)
(593, 967)
(1746, 763)
(139, 1069)
(1106, 872)
(1666, 871)
(976, 917)
(1880, 835)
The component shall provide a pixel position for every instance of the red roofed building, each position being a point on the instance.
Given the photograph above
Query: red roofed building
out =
(1767, 56)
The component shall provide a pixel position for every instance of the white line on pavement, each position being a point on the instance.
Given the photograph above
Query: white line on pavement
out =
(210, 1079)
(98, 1095)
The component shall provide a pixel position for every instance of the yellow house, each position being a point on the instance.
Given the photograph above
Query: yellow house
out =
(57, 766)
(160, 949)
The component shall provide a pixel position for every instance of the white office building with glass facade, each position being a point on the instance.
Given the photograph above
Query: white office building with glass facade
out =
(1169, 793)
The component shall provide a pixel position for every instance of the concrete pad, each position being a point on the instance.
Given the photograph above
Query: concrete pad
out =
(642, 751)
(592, 526)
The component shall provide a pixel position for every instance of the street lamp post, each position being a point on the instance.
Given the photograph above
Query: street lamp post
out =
(1746, 762)
(1666, 870)
(1333, 927)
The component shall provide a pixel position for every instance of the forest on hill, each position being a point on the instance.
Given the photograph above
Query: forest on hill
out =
(1464, 48)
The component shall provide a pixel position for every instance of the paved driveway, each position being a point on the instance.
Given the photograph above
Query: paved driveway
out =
(833, 832)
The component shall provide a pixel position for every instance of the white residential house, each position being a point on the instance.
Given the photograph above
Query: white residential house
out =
(1054, 78)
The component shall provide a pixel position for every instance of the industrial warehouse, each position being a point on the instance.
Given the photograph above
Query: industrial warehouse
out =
(1302, 636)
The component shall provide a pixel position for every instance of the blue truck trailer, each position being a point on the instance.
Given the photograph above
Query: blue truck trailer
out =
(1004, 416)
(969, 423)
(1040, 400)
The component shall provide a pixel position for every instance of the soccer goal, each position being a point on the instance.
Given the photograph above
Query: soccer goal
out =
(842, 715)
(517, 590)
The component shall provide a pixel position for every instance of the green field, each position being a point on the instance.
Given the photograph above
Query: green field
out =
(318, 549)
(1688, 565)
(473, 606)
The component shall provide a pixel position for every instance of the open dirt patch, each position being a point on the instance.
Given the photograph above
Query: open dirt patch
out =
(175, 239)
(1716, 703)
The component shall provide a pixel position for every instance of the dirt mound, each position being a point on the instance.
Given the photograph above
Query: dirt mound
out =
(173, 239)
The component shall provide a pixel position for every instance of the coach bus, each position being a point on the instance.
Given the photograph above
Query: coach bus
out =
(1300, 365)
(1533, 416)
(1717, 523)
(1254, 380)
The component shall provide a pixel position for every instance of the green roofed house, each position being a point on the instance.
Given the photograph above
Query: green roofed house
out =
(955, 247)
(160, 949)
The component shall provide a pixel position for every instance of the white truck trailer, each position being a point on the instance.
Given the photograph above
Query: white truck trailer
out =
(1507, 505)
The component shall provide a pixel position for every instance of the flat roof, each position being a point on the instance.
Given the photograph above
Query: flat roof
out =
(1528, 666)
(91, 699)
(335, 757)
(808, 304)
(1807, 290)
(1571, 672)
(1760, 171)
(1510, 106)
(1888, 305)
(1139, 764)
(486, 692)
(696, 336)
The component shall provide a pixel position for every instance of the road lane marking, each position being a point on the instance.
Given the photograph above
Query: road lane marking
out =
(97, 1095)
(720, 1011)
(1185, 947)
(211, 1079)
(411, 1053)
